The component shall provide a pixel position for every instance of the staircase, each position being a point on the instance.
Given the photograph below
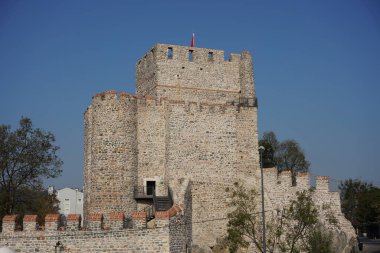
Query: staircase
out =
(155, 203)
(163, 203)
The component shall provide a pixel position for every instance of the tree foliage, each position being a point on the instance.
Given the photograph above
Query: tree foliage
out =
(285, 155)
(270, 143)
(244, 225)
(361, 204)
(27, 155)
(319, 240)
(302, 217)
(294, 228)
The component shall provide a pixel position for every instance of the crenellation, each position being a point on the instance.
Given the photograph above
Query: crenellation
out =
(206, 76)
(73, 222)
(181, 54)
(95, 221)
(52, 222)
(117, 220)
(303, 181)
(139, 220)
(285, 178)
(9, 223)
(29, 223)
(322, 183)
(270, 176)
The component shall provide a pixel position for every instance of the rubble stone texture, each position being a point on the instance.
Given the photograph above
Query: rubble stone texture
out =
(192, 126)
(185, 122)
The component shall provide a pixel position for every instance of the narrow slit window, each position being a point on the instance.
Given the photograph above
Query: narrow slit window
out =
(210, 56)
(190, 55)
(170, 53)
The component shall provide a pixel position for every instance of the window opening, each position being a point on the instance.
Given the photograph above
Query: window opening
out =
(170, 53)
(150, 187)
(191, 55)
(210, 56)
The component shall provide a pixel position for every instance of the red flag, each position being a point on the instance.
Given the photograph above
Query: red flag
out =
(192, 41)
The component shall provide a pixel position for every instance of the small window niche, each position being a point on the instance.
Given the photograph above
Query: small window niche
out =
(190, 55)
(150, 187)
(170, 53)
(210, 56)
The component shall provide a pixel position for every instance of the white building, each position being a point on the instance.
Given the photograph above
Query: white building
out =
(70, 201)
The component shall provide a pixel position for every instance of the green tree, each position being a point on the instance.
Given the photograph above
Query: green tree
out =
(319, 240)
(27, 155)
(361, 204)
(291, 230)
(36, 200)
(244, 222)
(285, 155)
(270, 143)
(302, 217)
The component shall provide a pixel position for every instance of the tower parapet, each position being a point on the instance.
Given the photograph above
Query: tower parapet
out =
(194, 74)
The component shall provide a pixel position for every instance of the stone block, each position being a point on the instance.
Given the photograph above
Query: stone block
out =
(95, 221)
(139, 220)
(52, 222)
(117, 220)
(73, 222)
(30, 222)
(9, 223)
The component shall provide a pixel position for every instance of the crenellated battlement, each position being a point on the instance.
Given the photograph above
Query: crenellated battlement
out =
(95, 221)
(163, 237)
(169, 52)
(284, 178)
(194, 74)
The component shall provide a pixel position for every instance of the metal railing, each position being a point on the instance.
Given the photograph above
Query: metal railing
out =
(248, 102)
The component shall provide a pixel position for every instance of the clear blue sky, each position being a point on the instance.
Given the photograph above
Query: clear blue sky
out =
(316, 63)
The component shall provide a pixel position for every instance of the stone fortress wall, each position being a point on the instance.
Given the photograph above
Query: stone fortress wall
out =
(191, 127)
(213, 154)
(278, 192)
(168, 234)
(170, 231)
(186, 122)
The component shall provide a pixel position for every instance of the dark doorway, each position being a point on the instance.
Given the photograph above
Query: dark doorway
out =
(150, 187)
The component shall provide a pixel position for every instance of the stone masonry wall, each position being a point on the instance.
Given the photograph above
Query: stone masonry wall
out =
(247, 155)
(133, 240)
(206, 77)
(279, 192)
(151, 143)
(110, 154)
(171, 231)
(202, 142)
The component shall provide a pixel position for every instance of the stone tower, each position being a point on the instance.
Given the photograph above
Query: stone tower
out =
(194, 117)
(110, 154)
(164, 158)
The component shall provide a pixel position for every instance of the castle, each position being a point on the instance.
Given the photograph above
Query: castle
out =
(157, 163)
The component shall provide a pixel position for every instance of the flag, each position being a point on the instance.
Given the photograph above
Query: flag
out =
(192, 41)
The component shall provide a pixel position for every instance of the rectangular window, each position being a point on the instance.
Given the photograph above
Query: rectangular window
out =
(190, 55)
(210, 56)
(170, 53)
(150, 187)
(66, 206)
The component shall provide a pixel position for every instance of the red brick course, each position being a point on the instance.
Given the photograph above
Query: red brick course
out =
(95, 217)
(10, 218)
(52, 217)
(30, 218)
